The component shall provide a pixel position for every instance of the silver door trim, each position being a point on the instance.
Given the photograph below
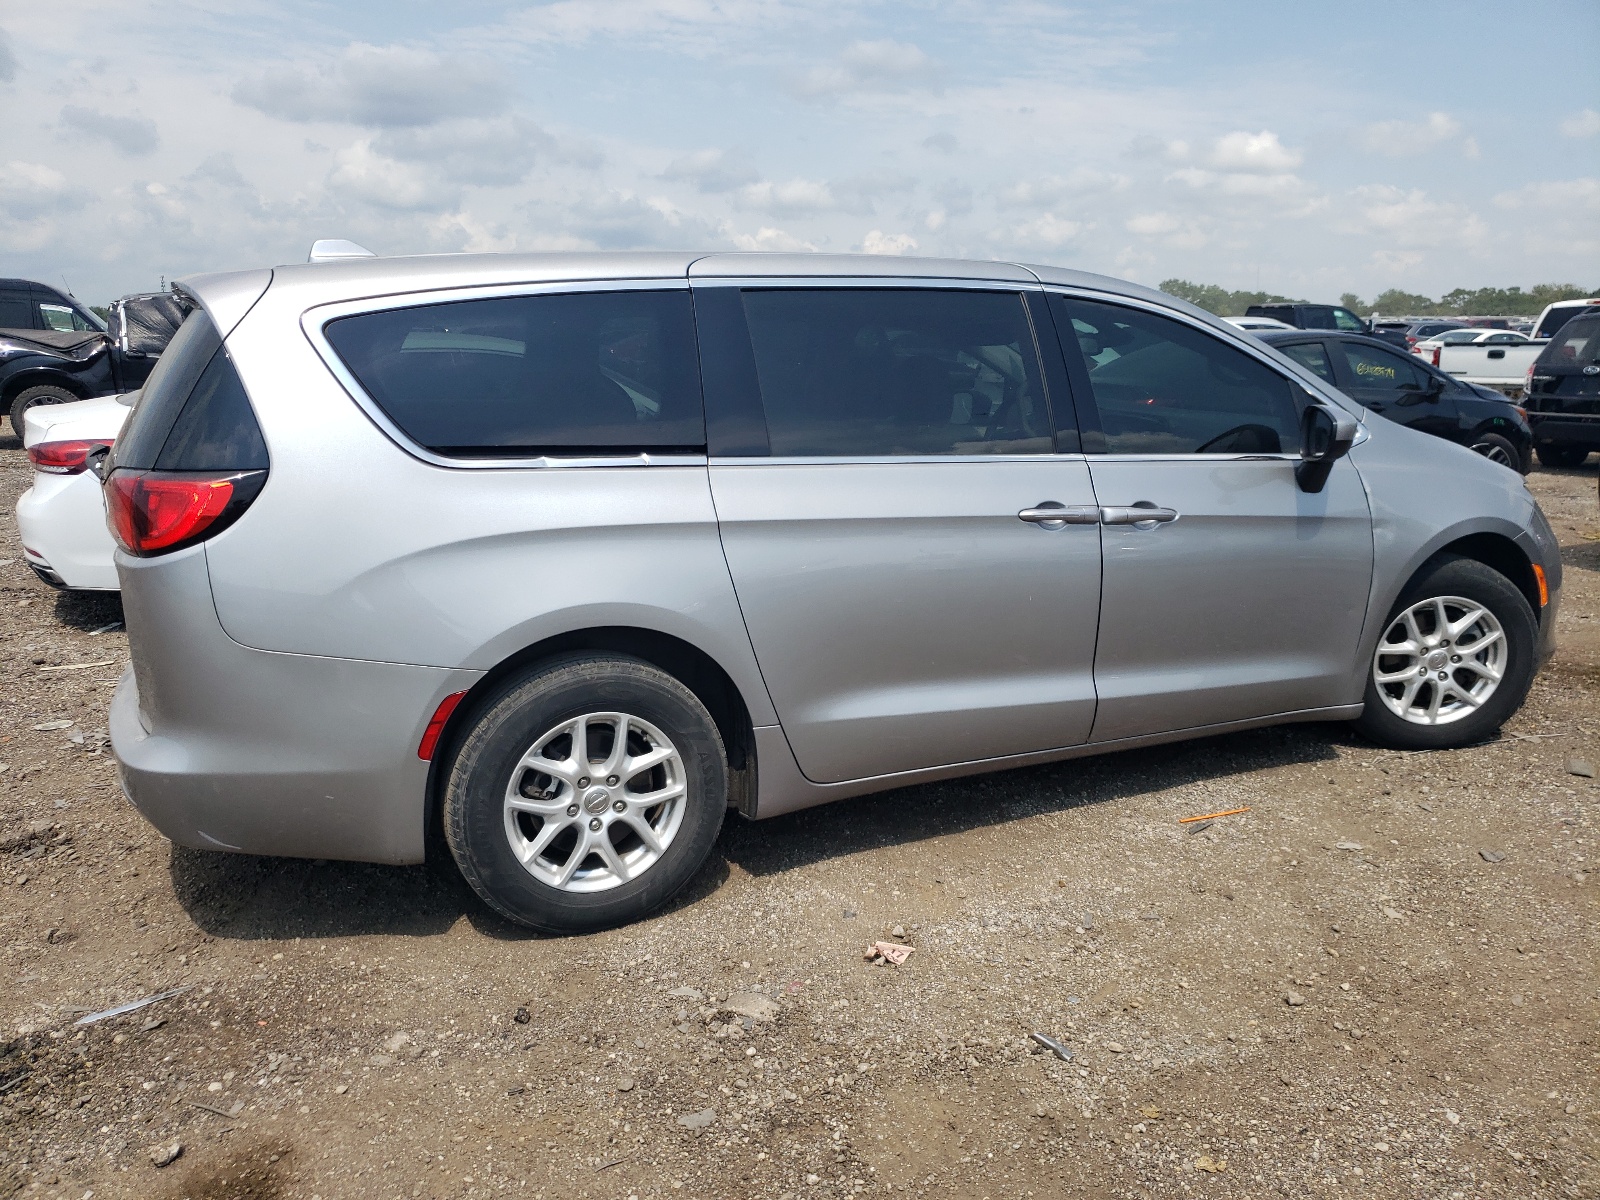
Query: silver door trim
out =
(886, 460)
(315, 320)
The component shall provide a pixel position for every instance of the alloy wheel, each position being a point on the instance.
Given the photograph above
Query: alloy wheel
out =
(1495, 453)
(1440, 660)
(595, 802)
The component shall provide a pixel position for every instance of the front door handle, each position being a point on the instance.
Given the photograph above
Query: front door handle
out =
(1048, 514)
(1142, 513)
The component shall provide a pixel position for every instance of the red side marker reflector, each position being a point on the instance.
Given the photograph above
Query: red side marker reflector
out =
(430, 735)
(1544, 588)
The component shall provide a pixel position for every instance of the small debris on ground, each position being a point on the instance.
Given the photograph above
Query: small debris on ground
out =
(1059, 1049)
(1491, 856)
(1293, 999)
(880, 953)
(1580, 766)
(753, 1005)
(162, 1156)
(1227, 812)
(1211, 1166)
(131, 1006)
(698, 1120)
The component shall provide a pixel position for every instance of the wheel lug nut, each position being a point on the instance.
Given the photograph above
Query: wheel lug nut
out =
(612, 780)
(594, 824)
(583, 781)
(1455, 658)
(618, 805)
(1442, 675)
(572, 810)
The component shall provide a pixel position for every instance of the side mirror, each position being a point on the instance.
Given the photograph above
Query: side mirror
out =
(1325, 438)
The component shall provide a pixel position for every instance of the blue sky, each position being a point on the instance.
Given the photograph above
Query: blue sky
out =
(1304, 149)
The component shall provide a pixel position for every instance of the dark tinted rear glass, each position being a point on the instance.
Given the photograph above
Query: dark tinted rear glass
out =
(217, 430)
(1577, 345)
(1556, 318)
(573, 373)
(164, 393)
(16, 309)
(904, 371)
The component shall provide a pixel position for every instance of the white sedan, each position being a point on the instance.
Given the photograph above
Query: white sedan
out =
(1256, 324)
(1469, 337)
(62, 517)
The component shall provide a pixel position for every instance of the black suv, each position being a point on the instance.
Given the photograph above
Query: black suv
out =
(1411, 392)
(1563, 396)
(53, 350)
(1325, 316)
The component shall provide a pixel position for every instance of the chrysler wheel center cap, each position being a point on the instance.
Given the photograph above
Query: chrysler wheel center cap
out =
(597, 800)
(1437, 660)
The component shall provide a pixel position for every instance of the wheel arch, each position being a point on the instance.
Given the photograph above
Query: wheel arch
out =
(684, 661)
(36, 377)
(1499, 553)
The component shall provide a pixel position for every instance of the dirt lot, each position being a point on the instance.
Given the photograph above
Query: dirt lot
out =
(1382, 980)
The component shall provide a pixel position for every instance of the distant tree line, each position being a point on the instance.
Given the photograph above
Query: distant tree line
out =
(1463, 302)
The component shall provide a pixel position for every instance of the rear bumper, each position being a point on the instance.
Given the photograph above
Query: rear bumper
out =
(1567, 430)
(61, 520)
(227, 748)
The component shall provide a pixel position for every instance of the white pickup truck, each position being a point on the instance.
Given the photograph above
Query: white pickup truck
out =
(1505, 367)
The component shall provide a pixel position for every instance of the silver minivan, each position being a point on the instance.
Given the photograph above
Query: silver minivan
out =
(554, 558)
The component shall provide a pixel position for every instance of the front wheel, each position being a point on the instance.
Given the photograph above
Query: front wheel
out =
(1561, 456)
(587, 794)
(1500, 450)
(1455, 660)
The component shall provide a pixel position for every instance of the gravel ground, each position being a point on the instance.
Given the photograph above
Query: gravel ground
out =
(1380, 981)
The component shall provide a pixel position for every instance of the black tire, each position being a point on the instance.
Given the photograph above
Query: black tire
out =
(509, 726)
(1499, 449)
(1561, 456)
(1450, 575)
(44, 393)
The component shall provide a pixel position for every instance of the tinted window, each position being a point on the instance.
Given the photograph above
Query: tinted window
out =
(16, 309)
(164, 393)
(217, 430)
(1163, 387)
(867, 371)
(1346, 320)
(1556, 318)
(1374, 368)
(1316, 316)
(1577, 344)
(1313, 356)
(586, 372)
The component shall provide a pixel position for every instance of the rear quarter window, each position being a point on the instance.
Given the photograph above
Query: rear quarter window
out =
(1577, 345)
(568, 373)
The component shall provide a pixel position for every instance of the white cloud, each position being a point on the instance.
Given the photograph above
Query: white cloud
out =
(794, 197)
(1048, 231)
(1055, 189)
(881, 66)
(131, 135)
(1573, 198)
(1402, 139)
(377, 86)
(1259, 152)
(767, 238)
(1411, 218)
(365, 174)
(488, 152)
(8, 60)
(712, 171)
(878, 242)
(29, 190)
(1182, 232)
(1584, 123)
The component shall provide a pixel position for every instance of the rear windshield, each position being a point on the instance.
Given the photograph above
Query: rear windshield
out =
(164, 393)
(1577, 345)
(590, 372)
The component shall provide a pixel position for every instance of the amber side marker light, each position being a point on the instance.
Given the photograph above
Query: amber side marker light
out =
(1544, 588)
(430, 735)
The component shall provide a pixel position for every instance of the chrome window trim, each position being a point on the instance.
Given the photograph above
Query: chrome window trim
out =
(897, 283)
(1239, 339)
(315, 320)
(887, 460)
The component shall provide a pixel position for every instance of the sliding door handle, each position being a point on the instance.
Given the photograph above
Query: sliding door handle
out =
(1142, 513)
(1050, 515)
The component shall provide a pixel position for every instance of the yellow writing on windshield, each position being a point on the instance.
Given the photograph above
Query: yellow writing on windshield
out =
(1375, 371)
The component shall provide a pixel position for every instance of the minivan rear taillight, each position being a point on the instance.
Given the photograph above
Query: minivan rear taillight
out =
(66, 457)
(152, 512)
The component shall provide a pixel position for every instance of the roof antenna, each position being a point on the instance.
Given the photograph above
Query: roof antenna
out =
(336, 250)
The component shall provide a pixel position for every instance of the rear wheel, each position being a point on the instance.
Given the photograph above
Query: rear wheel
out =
(1455, 660)
(587, 794)
(44, 393)
(1556, 455)
(1498, 449)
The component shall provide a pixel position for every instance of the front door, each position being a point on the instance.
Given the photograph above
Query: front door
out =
(1395, 385)
(919, 571)
(1238, 596)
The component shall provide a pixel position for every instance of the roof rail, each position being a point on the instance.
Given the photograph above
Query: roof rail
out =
(336, 249)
